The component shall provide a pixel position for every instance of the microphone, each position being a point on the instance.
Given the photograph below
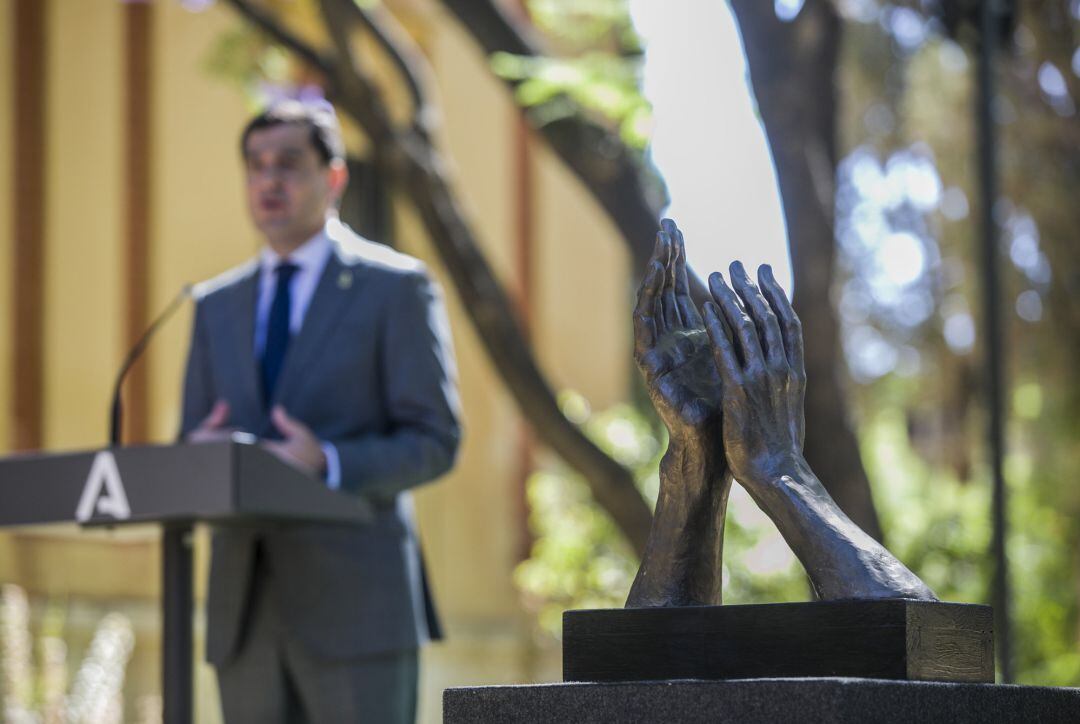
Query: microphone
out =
(133, 355)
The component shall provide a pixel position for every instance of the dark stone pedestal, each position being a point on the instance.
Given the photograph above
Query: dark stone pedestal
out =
(748, 701)
(891, 639)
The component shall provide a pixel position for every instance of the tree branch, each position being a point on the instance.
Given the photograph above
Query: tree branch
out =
(630, 193)
(265, 22)
(793, 67)
(406, 56)
(357, 90)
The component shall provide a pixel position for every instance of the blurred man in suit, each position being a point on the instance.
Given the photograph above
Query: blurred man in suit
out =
(335, 352)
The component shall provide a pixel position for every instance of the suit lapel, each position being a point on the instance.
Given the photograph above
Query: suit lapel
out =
(328, 303)
(242, 341)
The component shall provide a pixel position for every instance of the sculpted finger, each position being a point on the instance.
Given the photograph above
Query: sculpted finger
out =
(644, 321)
(669, 311)
(790, 326)
(745, 333)
(723, 350)
(687, 309)
(762, 314)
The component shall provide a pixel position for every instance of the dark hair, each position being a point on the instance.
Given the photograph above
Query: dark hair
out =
(319, 118)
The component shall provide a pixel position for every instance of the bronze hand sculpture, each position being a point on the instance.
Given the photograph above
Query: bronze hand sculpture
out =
(744, 417)
(682, 561)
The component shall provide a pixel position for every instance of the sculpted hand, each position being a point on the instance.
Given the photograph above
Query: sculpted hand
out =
(672, 349)
(299, 448)
(212, 428)
(757, 341)
(683, 558)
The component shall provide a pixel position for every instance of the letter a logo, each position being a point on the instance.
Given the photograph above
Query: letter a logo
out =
(103, 493)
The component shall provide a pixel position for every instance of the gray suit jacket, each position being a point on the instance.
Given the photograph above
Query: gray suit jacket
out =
(372, 372)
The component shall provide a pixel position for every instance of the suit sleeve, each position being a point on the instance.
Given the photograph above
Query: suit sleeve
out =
(199, 394)
(420, 392)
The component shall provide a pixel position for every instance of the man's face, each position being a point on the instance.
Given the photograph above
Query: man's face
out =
(289, 187)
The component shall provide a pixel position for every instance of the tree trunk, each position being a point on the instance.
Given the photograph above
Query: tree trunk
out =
(793, 73)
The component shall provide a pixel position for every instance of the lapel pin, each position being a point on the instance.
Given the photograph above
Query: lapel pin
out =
(344, 280)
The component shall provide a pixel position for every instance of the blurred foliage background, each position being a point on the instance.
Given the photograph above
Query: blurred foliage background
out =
(906, 295)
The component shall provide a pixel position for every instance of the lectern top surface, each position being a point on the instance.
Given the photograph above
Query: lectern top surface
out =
(218, 482)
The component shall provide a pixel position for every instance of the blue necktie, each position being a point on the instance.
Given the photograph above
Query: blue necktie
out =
(277, 329)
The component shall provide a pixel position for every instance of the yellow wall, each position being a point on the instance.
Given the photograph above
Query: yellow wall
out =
(7, 33)
(583, 323)
(83, 282)
(199, 225)
(9, 559)
(481, 489)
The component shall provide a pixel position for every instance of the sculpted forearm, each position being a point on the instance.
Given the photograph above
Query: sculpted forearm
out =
(682, 563)
(842, 561)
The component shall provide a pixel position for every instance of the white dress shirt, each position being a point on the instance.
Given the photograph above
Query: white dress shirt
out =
(310, 258)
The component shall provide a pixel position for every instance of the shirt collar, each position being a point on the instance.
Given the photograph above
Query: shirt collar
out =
(312, 254)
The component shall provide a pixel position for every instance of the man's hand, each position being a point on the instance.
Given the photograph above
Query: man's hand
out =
(672, 349)
(212, 428)
(299, 448)
(758, 346)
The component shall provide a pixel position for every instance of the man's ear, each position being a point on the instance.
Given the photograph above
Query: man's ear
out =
(339, 178)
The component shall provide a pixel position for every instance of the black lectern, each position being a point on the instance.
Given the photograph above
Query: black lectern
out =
(227, 483)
